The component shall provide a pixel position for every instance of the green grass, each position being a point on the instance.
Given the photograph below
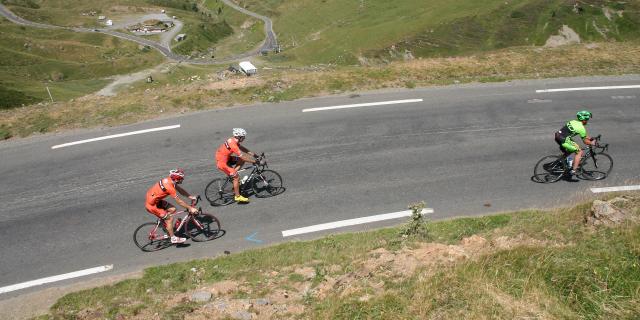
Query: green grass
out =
(70, 64)
(581, 273)
(335, 31)
(248, 32)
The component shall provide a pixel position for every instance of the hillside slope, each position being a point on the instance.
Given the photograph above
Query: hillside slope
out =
(70, 64)
(344, 32)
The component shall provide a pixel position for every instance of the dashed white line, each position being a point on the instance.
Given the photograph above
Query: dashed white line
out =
(614, 189)
(351, 222)
(623, 97)
(115, 136)
(61, 277)
(360, 105)
(588, 88)
(538, 101)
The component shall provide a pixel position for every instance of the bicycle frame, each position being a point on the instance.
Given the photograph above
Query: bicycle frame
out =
(255, 171)
(183, 221)
(589, 152)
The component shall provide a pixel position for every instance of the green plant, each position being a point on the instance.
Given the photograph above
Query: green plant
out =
(417, 226)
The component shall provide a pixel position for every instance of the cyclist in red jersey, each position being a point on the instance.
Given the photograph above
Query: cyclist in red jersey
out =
(163, 209)
(230, 157)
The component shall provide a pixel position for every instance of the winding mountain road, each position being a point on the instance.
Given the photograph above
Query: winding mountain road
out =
(465, 150)
(269, 44)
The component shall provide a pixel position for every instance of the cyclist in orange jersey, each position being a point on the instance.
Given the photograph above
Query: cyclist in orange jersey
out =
(155, 204)
(230, 157)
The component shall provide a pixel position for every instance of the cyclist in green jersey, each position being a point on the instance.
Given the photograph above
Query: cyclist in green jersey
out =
(571, 129)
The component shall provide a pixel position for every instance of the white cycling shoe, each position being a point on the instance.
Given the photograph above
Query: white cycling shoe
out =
(175, 239)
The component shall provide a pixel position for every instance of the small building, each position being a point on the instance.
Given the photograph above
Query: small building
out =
(180, 37)
(109, 22)
(248, 68)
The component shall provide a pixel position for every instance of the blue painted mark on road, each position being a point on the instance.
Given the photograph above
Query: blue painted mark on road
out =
(250, 238)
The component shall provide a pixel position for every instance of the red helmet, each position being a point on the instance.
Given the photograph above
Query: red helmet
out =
(177, 175)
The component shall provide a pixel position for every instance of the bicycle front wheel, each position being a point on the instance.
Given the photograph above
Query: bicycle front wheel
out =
(219, 192)
(549, 169)
(267, 183)
(596, 167)
(151, 237)
(203, 227)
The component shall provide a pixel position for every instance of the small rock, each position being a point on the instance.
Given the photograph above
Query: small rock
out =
(201, 296)
(604, 213)
(243, 315)
(262, 302)
(192, 269)
(220, 305)
(150, 290)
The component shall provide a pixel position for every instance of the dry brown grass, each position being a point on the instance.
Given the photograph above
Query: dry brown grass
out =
(276, 85)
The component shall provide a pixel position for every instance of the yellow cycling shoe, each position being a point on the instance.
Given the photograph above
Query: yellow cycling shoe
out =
(241, 199)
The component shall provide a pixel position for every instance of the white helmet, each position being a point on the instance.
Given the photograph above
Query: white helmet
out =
(239, 132)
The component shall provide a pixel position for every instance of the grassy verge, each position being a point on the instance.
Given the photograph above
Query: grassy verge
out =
(186, 88)
(540, 264)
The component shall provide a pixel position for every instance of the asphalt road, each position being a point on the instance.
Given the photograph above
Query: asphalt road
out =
(460, 148)
(270, 43)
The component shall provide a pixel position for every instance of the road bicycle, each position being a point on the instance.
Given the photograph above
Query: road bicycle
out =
(199, 227)
(595, 164)
(261, 182)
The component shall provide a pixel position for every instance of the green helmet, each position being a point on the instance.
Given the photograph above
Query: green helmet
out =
(584, 115)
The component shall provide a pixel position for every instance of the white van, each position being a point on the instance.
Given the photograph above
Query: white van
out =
(248, 68)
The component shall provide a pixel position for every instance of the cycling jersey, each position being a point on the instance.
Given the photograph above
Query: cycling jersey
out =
(161, 190)
(224, 154)
(568, 131)
(226, 149)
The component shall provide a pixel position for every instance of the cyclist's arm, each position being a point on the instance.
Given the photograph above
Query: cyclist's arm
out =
(246, 150)
(183, 191)
(184, 204)
(589, 141)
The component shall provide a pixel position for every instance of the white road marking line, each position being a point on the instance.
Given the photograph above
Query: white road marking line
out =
(614, 189)
(538, 101)
(115, 136)
(588, 88)
(359, 105)
(61, 277)
(622, 97)
(351, 222)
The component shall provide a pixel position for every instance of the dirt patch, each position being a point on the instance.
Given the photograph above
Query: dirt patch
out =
(566, 36)
(247, 24)
(235, 83)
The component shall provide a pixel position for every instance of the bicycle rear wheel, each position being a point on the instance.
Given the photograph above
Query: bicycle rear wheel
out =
(203, 227)
(151, 237)
(596, 167)
(219, 192)
(267, 183)
(549, 169)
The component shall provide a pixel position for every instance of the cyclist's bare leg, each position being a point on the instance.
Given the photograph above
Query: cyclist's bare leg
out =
(168, 222)
(577, 158)
(236, 185)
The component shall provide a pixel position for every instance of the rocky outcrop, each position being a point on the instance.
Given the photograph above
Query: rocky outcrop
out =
(612, 212)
